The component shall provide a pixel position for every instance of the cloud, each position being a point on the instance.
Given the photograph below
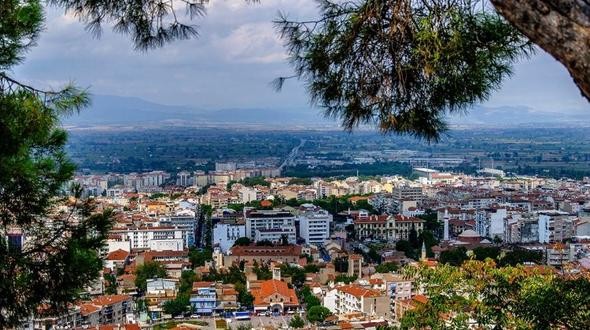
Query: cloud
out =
(231, 64)
(252, 43)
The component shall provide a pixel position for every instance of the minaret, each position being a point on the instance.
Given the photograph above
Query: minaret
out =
(446, 226)
(423, 255)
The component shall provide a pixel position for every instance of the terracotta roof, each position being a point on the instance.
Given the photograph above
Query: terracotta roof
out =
(88, 308)
(202, 284)
(288, 250)
(358, 291)
(118, 255)
(401, 218)
(110, 300)
(370, 219)
(421, 299)
(270, 287)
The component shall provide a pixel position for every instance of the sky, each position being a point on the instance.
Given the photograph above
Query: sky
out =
(232, 64)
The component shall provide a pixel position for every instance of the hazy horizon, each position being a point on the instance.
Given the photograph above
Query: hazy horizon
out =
(232, 64)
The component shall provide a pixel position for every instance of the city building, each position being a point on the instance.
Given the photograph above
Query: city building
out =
(353, 298)
(270, 219)
(275, 296)
(226, 232)
(203, 298)
(314, 224)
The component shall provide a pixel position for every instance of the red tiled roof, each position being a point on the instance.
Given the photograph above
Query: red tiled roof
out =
(110, 299)
(118, 255)
(88, 308)
(270, 287)
(358, 291)
(289, 250)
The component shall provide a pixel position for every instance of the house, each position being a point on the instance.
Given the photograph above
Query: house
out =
(227, 297)
(274, 296)
(160, 290)
(354, 298)
(117, 259)
(203, 298)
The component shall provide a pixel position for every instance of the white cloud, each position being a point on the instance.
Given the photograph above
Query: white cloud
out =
(252, 43)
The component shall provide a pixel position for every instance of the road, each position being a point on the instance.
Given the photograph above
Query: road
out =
(292, 155)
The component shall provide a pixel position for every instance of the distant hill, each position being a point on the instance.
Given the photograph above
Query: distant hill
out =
(517, 116)
(116, 110)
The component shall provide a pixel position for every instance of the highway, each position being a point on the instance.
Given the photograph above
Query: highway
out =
(292, 155)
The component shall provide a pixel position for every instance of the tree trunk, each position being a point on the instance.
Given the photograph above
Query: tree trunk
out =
(562, 28)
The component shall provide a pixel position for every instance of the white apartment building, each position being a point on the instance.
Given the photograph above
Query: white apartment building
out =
(555, 226)
(314, 224)
(268, 219)
(184, 179)
(356, 299)
(141, 237)
(226, 233)
(497, 224)
(276, 235)
(247, 194)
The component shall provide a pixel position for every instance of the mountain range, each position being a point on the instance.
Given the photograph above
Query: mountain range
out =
(109, 110)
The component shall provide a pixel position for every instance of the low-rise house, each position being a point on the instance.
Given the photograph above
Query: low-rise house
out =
(203, 298)
(160, 290)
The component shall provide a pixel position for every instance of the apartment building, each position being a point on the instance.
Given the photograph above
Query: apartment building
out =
(226, 232)
(314, 224)
(353, 298)
(270, 219)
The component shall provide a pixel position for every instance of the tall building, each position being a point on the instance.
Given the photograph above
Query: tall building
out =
(555, 226)
(184, 179)
(355, 265)
(314, 224)
(226, 232)
(265, 220)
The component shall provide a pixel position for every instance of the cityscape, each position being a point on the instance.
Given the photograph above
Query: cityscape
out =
(294, 164)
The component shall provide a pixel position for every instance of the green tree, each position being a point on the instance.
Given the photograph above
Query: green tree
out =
(318, 314)
(245, 298)
(444, 56)
(386, 267)
(311, 300)
(498, 297)
(60, 257)
(149, 270)
(242, 241)
(296, 322)
(340, 264)
(343, 278)
(454, 257)
(177, 306)
(198, 257)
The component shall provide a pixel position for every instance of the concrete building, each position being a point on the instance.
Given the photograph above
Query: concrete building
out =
(276, 235)
(184, 179)
(268, 219)
(356, 299)
(314, 224)
(203, 298)
(226, 232)
(555, 226)
(355, 265)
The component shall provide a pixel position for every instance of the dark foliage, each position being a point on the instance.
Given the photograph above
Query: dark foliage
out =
(401, 65)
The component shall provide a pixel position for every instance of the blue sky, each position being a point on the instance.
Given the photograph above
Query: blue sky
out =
(232, 64)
